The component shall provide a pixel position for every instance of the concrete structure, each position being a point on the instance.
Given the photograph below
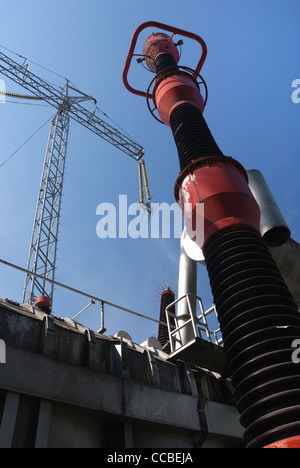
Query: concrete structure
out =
(64, 385)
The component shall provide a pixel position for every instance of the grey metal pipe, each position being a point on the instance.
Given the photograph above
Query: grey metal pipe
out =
(276, 234)
(273, 227)
(287, 258)
(141, 200)
(187, 283)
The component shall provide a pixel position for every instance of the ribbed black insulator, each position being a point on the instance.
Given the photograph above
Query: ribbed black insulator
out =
(163, 61)
(167, 298)
(192, 135)
(259, 321)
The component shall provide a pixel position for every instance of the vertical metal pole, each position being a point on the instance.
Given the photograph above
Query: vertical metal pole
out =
(43, 247)
(102, 329)
(102, 316)
(146, 181)
(141, 200)
(187, 284)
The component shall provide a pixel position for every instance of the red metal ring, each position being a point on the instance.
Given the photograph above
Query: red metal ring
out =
(164, 27)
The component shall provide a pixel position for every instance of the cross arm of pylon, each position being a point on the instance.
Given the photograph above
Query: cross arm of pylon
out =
(53, 96)
(106, 131)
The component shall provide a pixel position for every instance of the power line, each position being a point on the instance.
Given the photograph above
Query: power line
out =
(43, 246)
(21, 96)
(51, 118)
(60, 76)
(107, 116)
(35, 63)
(41, 66)
(24, 103)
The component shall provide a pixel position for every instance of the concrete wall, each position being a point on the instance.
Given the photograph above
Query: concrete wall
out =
(66, 386)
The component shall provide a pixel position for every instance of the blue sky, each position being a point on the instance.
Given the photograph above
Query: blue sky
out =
(253, 58)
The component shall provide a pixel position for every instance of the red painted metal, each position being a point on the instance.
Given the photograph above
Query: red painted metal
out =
(173, 86)
(190, 94)
(291, 442)
(167, 291)
(213, 192)
(164, 27)
(174, 90)
(220, 183)
(43, 303)
(156, 44)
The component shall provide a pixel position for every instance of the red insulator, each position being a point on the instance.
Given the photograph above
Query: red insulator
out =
(291, 442)
(43, 303)
(157, 44)
(176, 89)
(214, 193)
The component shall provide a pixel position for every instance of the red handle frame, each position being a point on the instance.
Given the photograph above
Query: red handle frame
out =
(165, 27)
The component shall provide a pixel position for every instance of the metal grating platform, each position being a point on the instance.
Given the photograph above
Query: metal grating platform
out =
(202, 353)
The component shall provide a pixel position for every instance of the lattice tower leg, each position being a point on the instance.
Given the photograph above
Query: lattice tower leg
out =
(43, 247)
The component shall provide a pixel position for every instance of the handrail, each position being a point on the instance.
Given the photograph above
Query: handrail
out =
(197, 322)
(77, 291)
(194, 320)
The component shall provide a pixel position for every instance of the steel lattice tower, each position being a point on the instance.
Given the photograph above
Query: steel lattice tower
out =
(43, 246)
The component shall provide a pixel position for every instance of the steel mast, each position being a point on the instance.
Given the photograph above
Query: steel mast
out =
(43, 246)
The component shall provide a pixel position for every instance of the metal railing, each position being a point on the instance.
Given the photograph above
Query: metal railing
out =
(198, 324)
(93, 299)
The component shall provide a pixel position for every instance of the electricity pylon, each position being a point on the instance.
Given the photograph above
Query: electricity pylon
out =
(43, 246)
